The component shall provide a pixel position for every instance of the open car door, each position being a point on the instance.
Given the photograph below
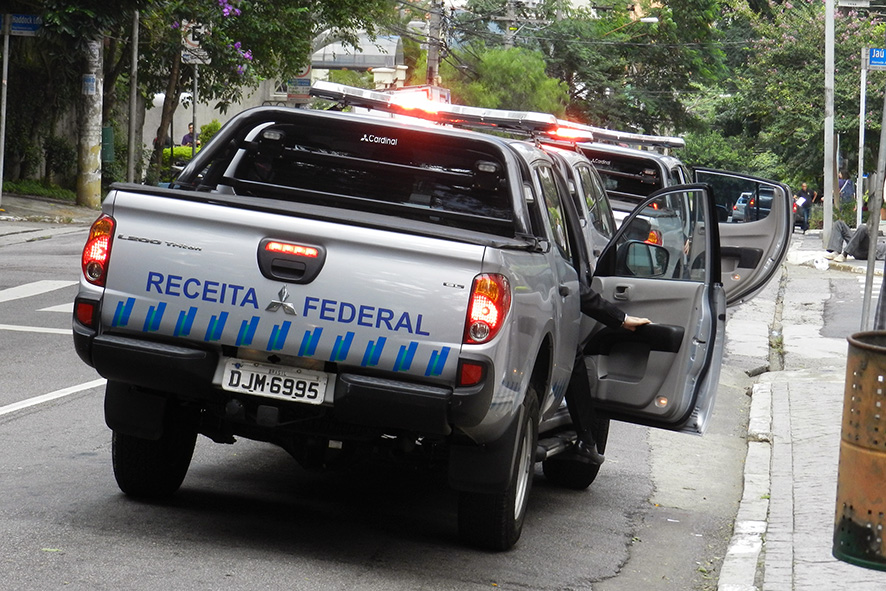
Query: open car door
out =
(664, 264)
(756, 223)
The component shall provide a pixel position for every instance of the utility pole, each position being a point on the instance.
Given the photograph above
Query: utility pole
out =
(829, 153)
(133, 96)
(89, 165)
(435, 25)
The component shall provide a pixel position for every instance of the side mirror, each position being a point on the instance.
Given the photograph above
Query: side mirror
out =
(641, 259)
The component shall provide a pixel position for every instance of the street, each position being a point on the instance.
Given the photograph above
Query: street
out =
(659, 515)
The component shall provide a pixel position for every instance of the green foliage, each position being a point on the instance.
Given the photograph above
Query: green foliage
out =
(61, 157)
(712, 150)
(173, 161)
(779, 102)
(351, 78)
(36, 188)
(505, 79)
(208, 131)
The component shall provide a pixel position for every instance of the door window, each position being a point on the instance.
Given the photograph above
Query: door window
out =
(556, 216)
(665, 240)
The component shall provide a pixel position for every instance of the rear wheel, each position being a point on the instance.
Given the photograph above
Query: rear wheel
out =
(155, 469)
(494, 521)
(567, 471)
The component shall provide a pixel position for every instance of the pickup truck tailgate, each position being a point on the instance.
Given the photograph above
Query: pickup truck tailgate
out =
(361, 297)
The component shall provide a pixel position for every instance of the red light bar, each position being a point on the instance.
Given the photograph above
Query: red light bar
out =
(609, 135)
(294, 249)
(525, 121)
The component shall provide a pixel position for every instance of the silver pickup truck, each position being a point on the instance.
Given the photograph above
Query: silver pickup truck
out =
(337, 284)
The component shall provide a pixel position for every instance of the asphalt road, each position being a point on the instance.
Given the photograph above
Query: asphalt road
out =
(247, 517)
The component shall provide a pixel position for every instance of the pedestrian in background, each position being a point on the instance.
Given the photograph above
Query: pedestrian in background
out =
(847, 189)
(856, 243)
(803, 199)
(189, 138)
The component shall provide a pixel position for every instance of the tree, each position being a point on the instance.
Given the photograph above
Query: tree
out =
(780, 92)
(620, 72)
(248, 40)
(504, 79)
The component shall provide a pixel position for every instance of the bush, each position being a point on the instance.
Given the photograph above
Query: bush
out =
(208, 131)
(39, 189)
(173, 161)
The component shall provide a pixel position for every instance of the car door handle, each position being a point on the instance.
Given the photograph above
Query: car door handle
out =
(622, 292)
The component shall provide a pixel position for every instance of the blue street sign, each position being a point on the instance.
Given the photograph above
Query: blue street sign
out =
(876, 58)
(25, 25)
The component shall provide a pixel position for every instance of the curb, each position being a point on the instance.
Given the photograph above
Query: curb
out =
(740, 565)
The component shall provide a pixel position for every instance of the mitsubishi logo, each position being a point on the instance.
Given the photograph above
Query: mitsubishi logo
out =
(275, 305)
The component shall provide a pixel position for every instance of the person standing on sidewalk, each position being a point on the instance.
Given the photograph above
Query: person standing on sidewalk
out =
(856, 243)
(803, 199)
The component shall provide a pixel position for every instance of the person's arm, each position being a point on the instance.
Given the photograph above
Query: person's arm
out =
(593, 305)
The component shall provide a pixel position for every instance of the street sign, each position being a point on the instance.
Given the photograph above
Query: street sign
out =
(876, 58)
(298, 89)
(192, 53)
(854, 3)
(25, 25)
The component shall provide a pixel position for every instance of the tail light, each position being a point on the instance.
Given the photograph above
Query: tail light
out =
(488, 307)
(795, 208)
(654, 237)
(97, 251)
(85, 312)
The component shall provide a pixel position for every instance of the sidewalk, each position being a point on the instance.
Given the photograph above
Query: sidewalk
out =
(14, 208)
(783, 534)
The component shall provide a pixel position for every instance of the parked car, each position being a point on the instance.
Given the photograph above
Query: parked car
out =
(740, 209)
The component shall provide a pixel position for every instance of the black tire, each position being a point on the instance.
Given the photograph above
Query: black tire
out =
(155, 469)
(494, 521)
(568, 472)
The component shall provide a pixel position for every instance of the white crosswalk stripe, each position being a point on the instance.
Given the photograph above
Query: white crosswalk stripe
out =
(31, 289)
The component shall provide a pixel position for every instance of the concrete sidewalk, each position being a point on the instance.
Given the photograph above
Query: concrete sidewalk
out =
(15, 208)
(783, 533)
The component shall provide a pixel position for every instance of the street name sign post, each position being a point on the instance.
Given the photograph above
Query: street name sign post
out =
(26, 25)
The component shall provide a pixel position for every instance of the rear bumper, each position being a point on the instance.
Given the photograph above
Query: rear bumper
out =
(358, 399)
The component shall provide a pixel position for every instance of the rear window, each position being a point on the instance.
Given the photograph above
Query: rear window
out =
(456, 181)
(623, 174)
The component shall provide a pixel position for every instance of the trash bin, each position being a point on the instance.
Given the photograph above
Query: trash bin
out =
(861, 479)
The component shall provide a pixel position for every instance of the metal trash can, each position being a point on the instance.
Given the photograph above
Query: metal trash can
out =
(861, 481)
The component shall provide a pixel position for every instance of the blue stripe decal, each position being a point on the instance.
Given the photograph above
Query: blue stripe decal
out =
(185, 322)
(122, 313)
(373, 352)
(404, 357)
(216, 327)
(309, 342)
(437, 362)
(342, 347)
(247, 332)
(278, 336)
(155, 315)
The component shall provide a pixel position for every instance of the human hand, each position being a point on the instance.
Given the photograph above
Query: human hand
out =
(632, 322)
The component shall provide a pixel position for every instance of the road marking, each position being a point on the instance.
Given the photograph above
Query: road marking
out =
(10, 408)
(66, 308)
(31, 289)
(40, 329)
